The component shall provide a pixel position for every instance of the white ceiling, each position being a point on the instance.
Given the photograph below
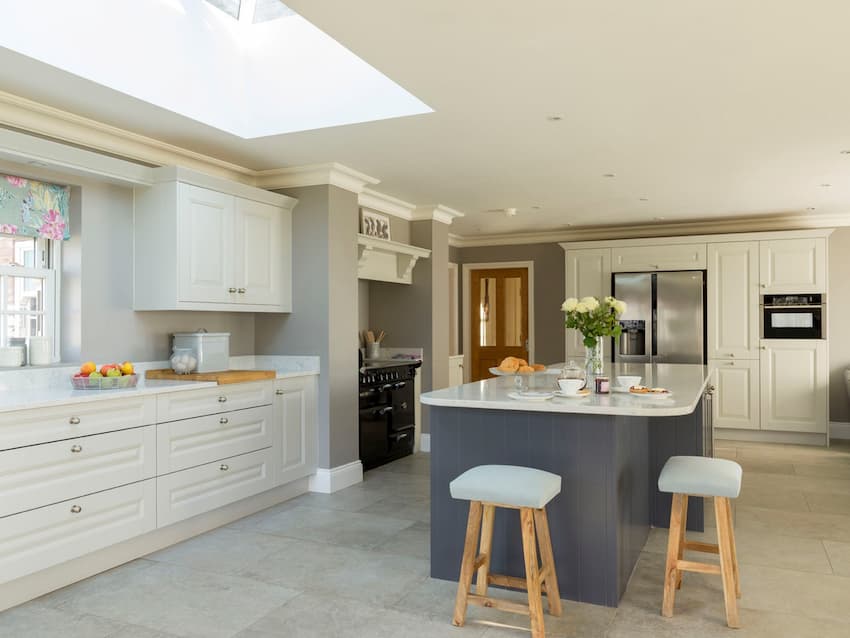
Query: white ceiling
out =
(725, 108)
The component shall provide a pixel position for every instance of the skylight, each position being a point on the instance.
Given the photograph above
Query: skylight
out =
(252, 68)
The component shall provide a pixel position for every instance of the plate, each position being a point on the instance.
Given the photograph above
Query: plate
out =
(531, 396)
(618, 389)
(502, 373)
(578, 395)
(652, 395)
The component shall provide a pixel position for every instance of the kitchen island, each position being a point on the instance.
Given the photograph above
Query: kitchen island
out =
(608, 449)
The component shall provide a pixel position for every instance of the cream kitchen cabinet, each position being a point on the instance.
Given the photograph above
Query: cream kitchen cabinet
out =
(588, 274)
(794, 385)
(456, 370)
(295, 446)
(661, 257)
(733, 300)
(736, 400)
(218, 247)
(793, 265)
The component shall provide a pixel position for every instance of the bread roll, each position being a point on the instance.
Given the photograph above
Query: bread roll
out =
(509, 364)
(538, 367)
(525, 369)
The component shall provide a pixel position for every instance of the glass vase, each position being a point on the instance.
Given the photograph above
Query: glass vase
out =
(593, 359)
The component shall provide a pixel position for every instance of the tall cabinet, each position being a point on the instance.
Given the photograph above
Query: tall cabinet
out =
(588, 274)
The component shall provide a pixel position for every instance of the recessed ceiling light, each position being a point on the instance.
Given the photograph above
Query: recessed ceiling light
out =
(555, 118)
(845, 152)
(825, 185)
(535, 208)
(37, 163)
(608, 175)
(810, 208)
(658, 219)
(644, 199)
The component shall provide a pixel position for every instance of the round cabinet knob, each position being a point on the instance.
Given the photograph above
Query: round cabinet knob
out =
(222, 399)
(279, 392)
(76, 449)
(76, 509)
(223, 421)
(74, 420)
(732, 355)
(764, 285)
(224, 467)
(241, 291)
(231, 290)
(764, 347)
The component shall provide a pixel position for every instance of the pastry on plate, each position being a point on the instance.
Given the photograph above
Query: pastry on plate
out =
(538, 367)
(525, 369)
(509, 364)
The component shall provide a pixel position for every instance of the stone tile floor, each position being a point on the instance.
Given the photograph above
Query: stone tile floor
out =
(355, 564)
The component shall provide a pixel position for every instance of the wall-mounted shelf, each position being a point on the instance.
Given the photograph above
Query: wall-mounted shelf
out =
(384, 260)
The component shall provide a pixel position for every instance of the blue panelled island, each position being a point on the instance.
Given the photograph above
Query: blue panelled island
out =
(608, 449)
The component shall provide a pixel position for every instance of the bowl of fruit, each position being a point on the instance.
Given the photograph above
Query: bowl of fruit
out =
(110, 376)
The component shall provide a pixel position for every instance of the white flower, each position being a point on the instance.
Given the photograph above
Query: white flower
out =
(582, 307)
(569, 305)
(610, 300)
(591, 302)
(619, 306)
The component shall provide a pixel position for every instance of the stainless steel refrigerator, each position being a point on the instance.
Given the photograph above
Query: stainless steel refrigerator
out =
(664, 320)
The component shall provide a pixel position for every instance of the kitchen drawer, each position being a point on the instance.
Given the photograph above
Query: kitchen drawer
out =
(43, 425)
(666, 257)
(39, 475)
(47, 536)
(193, 403)
(191, 442)
(200, 489)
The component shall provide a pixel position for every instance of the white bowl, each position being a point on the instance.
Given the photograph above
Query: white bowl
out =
(570, 386)
(627, 382)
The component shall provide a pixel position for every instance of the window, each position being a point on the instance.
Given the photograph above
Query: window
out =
(27, 288)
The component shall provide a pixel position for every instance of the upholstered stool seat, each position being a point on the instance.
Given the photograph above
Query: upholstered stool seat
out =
(507, 485)
(528, 490)
(719, 479)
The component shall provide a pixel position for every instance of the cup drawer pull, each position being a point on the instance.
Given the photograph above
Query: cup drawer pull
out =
(76, 449)
(222, 399)
(224, 467)
(74, 420)
(76, 509)
(224, 420)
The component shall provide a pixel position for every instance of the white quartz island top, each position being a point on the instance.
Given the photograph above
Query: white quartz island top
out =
(686, 383)
(27, 388)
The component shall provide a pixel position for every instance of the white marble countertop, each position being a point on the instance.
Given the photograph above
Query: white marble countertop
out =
(28, 388)
(685, 382)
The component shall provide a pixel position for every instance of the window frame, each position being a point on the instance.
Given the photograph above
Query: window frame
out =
(49, 271)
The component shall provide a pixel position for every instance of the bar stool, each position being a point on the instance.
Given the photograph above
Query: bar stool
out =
(700, 476)
(528, 490)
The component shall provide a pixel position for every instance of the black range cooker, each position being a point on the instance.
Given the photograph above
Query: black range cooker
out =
(387, 424)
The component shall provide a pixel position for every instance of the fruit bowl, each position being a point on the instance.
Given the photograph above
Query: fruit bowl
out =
(105, 383)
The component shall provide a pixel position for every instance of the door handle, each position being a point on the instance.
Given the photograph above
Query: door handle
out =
(231, 290)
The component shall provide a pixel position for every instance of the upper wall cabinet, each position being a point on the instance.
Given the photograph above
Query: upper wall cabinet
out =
(588, 273)
(793, 265)
(662, 257)
(202, 248)
(733, 301)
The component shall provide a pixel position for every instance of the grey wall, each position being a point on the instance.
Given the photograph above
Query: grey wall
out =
(323, 321)
(838, 305)
(97, 317)
(363, 305)
(549, 282)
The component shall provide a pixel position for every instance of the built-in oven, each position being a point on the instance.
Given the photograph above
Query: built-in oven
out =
(793, 316)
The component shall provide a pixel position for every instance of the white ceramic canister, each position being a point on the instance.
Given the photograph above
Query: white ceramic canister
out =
(40, 351)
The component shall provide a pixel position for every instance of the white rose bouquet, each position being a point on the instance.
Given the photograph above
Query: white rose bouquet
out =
(594, 318)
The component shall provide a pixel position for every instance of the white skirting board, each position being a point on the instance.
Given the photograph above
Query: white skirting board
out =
(328, 481)
(839, 430)
(425, 442)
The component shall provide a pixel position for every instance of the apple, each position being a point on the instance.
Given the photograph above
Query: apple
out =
(126, 368)
(106, 367)
(88, 367)
(95, 375)
(113, 372)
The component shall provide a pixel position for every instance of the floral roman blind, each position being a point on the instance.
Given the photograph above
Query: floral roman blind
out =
(30, 208)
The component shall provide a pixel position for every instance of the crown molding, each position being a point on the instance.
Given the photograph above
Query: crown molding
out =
(761, 223)
(373, 200)
(331, 173)
(437, 213)
(64, 127)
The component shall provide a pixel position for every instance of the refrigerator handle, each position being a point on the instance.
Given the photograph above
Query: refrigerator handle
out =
(654, 349)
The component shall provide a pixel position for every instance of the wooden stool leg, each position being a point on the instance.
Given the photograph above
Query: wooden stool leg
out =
(674, 539)
(727, 570)
(553, 593)
(532, 575)
(467, 565)
(486, 549)
(682, 537)
(733, 548)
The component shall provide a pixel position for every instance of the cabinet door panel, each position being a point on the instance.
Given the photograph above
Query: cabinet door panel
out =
(793, 265)
(736, 402)
(47, 536)
(664, 257)
(205, 245)
(44, 474)
(259, 252)
(295, 416)
(733, 300)
(193, 403)
(794, 391)
(588, 274)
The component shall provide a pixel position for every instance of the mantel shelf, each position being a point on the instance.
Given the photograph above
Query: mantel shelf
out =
(384, 260)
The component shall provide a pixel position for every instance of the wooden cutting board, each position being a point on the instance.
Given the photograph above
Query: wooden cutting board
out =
(222, 378)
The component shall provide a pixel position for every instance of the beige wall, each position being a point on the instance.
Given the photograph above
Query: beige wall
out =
(838, 305)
